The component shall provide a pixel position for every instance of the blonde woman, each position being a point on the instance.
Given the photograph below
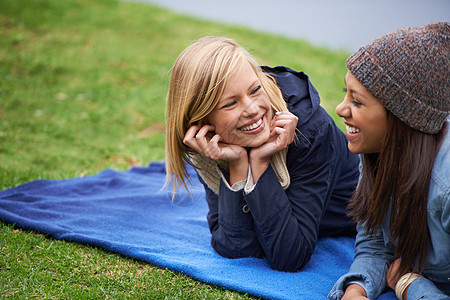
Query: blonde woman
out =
(275, 167)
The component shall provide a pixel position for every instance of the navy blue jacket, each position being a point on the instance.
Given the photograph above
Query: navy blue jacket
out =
(283, 225)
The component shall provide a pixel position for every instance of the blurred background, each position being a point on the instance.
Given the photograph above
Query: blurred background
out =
(337, 24)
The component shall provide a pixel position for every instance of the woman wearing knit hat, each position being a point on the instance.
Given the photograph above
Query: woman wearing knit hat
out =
(275, 179)
(396, 112)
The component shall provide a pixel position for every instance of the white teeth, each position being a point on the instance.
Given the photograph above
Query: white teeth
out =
(251, 126)
(351, 129)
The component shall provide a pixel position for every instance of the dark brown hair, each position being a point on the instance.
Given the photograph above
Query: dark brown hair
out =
(399, 176)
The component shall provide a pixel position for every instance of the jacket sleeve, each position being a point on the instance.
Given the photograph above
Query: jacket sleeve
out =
(425, 289)
(231, 226)
(287, 222)
(369, 268)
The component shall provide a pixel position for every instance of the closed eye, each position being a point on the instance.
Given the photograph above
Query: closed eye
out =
(356, 103)
(255, 90)
(229, 104)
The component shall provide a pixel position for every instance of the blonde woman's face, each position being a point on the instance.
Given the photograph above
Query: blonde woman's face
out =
(243, 114)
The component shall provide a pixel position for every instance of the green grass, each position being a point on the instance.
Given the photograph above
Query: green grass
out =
(82, 88)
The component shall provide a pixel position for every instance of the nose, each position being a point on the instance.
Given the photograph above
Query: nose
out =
(342, 110)
(250, 107)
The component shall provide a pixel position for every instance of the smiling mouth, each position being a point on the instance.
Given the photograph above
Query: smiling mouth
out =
(252, 126)
(351, 129)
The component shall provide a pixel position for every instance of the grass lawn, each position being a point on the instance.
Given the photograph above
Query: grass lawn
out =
(83, 87)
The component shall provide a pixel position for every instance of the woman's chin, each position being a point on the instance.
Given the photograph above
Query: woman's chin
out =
(256, 141)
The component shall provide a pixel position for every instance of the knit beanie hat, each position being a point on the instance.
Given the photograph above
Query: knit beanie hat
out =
(408, 72)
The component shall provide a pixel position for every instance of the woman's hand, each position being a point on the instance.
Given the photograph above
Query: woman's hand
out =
(199, 139)
(286, 120)
(354, 292)
(282, 133)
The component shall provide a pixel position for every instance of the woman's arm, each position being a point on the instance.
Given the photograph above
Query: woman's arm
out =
(231, 226)
(425, 289)
(439, 225)
(287, 222)
(282, 133)
(369, 267)
(421, 288)
(354, 292)
(233, 235)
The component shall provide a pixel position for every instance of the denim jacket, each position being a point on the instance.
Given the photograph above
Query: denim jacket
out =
(373, 256)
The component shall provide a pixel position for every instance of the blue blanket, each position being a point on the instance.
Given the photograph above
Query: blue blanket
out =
(128, 212)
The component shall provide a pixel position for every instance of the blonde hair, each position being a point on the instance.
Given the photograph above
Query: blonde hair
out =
(199, 77)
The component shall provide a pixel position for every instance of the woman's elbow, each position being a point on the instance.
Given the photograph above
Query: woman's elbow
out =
(291, 261)
(222, 250)
(235, 250)
(290, 267)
